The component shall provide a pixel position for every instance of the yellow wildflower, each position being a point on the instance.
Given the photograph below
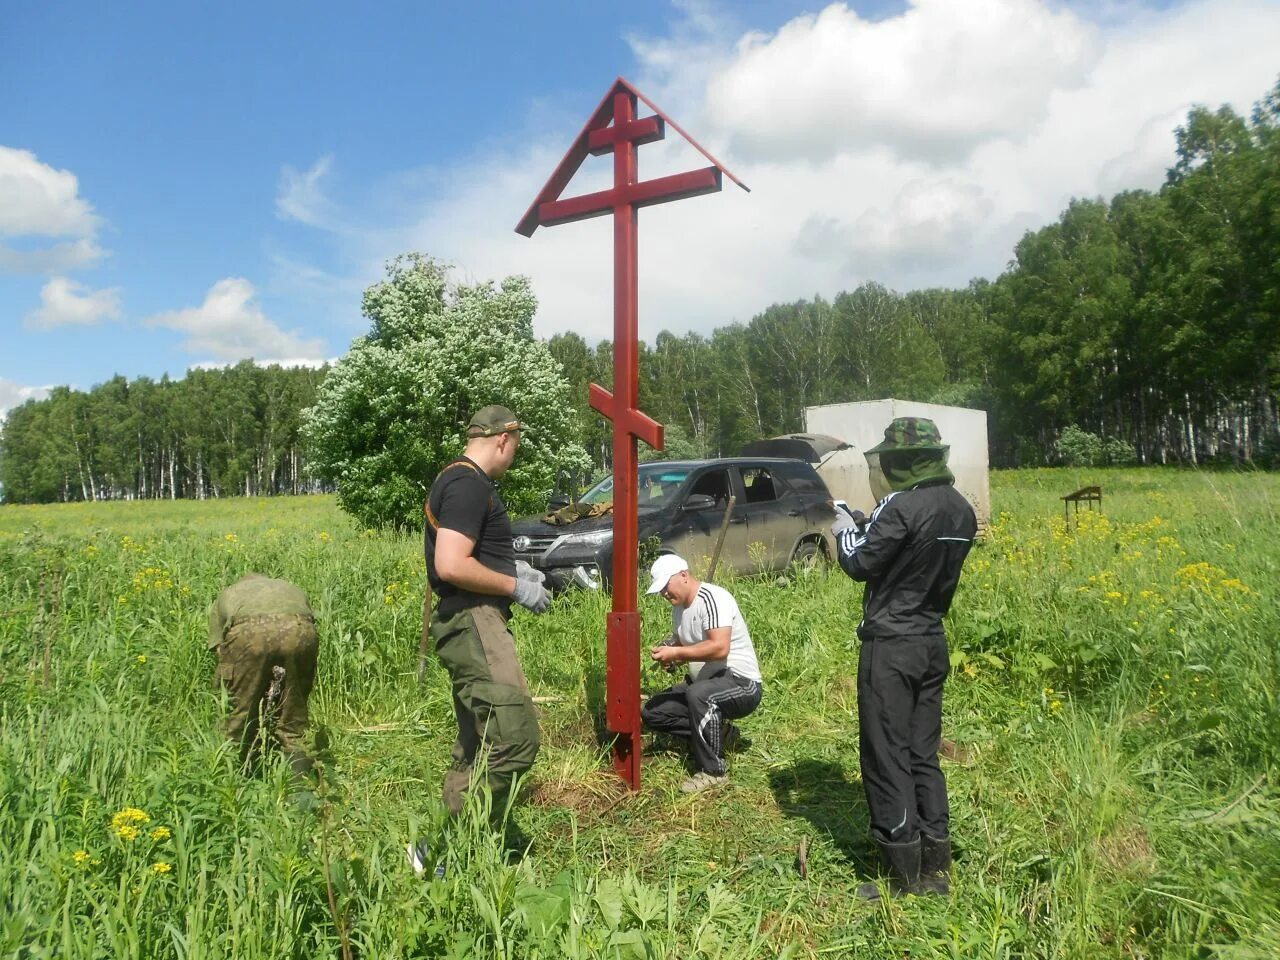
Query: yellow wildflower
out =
(81, 857)
(142, 658)
(160, 833)
(324, 536)
(160, 867)
(231, 538)
(126, 823)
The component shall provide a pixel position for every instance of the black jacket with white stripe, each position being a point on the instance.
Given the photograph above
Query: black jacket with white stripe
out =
(909, 554)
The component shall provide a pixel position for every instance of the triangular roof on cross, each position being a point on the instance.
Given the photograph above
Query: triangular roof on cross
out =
(577, 153)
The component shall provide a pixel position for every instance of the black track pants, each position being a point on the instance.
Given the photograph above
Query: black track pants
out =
(695, 710)
(900, 714)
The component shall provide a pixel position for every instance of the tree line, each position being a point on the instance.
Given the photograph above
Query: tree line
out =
(1146, 326)
(212, 433)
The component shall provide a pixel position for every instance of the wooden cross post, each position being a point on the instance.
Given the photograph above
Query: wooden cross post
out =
(614, 128)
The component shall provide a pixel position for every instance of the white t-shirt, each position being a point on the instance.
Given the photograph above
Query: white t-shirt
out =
(715, 607)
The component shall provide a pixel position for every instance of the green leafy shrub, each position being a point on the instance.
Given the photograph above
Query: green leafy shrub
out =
(394, 409)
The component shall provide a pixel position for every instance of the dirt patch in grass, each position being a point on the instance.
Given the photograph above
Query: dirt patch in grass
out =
(1141, 719)
(568, 729)
(1127, 849)
(590, 799)
(783, 929)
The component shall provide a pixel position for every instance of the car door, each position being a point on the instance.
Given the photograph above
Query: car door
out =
(695, 532)
(774, 516)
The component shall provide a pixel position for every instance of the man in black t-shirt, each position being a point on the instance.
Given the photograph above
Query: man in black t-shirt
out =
(473, 570)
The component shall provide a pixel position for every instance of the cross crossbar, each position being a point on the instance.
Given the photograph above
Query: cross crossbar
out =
(678, 186)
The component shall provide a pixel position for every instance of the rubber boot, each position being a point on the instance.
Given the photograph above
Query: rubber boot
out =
(935, 865)
(902, 867)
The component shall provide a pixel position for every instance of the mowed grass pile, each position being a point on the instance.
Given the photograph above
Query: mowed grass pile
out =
(1113, 702)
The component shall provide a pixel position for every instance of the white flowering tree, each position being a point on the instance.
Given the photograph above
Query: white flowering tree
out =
(394, 409)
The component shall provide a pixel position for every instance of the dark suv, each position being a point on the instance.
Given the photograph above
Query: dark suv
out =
(781, 516)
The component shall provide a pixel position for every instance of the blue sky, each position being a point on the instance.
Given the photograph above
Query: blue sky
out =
(190, 183)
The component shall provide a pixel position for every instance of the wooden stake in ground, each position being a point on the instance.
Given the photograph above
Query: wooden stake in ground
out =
(724, 528)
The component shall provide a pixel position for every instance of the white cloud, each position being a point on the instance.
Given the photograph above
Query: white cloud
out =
(230, 326)
(928, 84)
(65, 303)
(310, 362)
(59, 258)
(928, 220)
(913, 150)
(301, 197)
(38, 201)
(12, 394)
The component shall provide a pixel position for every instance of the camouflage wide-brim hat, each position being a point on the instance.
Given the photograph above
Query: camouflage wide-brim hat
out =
(911, 434)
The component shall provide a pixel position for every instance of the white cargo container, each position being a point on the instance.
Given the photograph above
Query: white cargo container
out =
(862, 425)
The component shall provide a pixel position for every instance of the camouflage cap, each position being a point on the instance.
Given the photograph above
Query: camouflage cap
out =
(492, 420)
(910, 433)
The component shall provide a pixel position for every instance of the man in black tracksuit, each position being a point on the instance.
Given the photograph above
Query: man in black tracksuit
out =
(909, 554)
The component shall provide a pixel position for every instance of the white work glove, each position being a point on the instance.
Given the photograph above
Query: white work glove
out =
(531, 594)
(847, 519)
(842, 523)
(847, 525)
(526, 572)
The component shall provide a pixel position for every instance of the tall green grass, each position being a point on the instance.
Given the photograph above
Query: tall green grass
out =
(1114, 700)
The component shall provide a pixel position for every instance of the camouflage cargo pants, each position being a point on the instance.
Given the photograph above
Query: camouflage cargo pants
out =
(491, 702)
(245, 657)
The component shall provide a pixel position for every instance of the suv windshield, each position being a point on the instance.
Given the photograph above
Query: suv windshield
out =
(658, 486)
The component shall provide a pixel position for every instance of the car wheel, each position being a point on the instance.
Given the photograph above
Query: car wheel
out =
(809, 555)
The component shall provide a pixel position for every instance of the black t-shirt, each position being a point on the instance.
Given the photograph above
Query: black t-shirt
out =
(463, 498)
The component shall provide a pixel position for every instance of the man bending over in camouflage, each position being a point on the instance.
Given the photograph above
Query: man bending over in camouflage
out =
(256, 624)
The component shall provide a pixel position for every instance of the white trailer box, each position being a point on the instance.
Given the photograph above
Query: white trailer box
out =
(862, 424)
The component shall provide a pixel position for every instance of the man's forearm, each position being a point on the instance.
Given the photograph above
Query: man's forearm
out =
(704, 650)
(470, 574)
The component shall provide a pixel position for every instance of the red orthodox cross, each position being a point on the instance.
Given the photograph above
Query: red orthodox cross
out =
(614, 127)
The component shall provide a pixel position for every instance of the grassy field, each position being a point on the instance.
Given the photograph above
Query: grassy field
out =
(1115, 792)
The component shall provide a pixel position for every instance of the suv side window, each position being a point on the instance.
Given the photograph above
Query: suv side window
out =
(714, 483)
(761, 486)
(803, 479)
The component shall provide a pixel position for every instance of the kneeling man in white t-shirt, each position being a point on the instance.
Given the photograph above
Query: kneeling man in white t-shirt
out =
(709, 635)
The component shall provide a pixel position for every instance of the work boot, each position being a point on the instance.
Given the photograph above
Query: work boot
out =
(902, 868)
(516, 844)
(300, 763)
(702, 781)
(935, 865)
(421, 857)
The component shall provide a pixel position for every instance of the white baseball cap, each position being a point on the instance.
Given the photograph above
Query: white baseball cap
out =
(663, 569)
